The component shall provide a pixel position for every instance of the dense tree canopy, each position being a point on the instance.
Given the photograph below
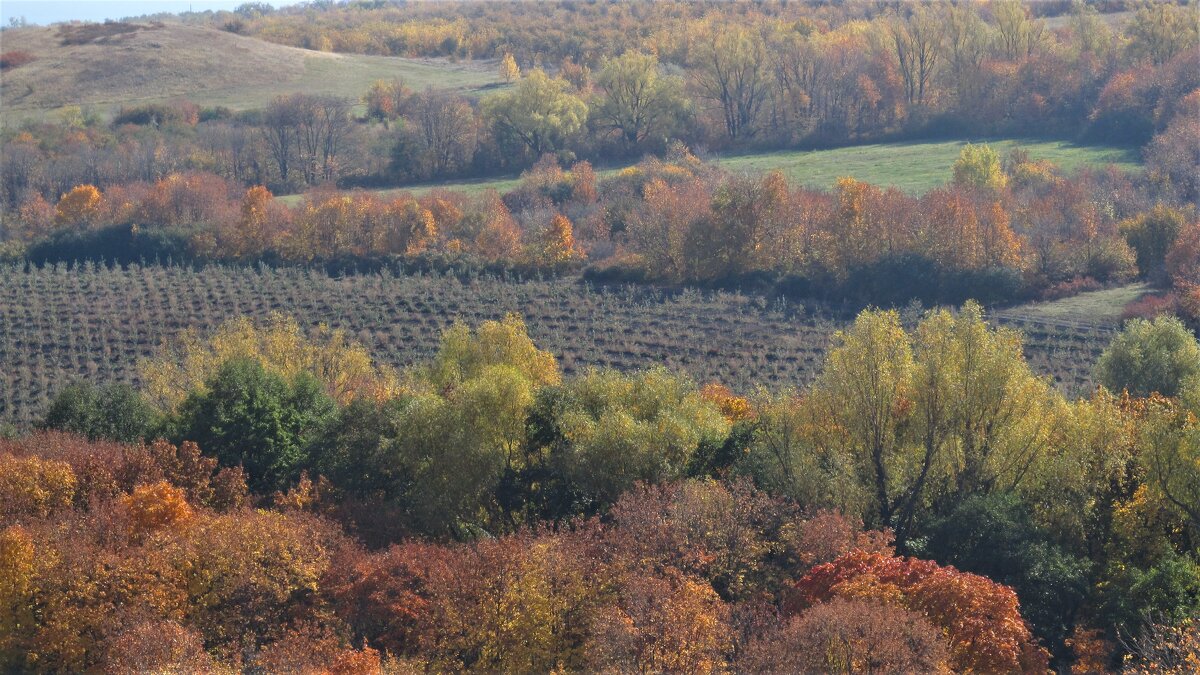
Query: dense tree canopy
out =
(1041, 528)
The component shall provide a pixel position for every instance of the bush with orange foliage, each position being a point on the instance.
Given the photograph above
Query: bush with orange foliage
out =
(156, 506)
(81, 207)
(104, 470)
(671, 623)
(313, 648)
(827, 535)
(1150, 306)
(733, 408)
(389, 596)
(15, 58)
(556, 244)
(498, 237)
(850, 636)
(981, 618)
(1092, 652)
(35, 218)
(188, 198)
(159, 646)
(1183, 260)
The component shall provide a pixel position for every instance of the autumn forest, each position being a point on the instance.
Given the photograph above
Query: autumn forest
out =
(377, 336)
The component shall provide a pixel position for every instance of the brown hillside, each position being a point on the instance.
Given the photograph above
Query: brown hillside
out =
(106, 65)
(88, 64)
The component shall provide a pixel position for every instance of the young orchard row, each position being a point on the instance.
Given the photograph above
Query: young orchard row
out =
(60, 323)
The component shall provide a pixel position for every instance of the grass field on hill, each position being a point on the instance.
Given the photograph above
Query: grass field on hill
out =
(914, 167)
(128, 64)
(1094, 307)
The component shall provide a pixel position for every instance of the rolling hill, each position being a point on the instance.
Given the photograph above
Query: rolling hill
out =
(106, 65)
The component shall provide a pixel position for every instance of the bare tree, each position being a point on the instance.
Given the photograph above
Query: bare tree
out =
(731, 70)
(311, 129)
(447, 129)
(279, 131)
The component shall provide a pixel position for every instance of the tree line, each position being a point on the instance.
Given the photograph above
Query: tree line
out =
(481, 511)
(1001, 230)
(726, 78)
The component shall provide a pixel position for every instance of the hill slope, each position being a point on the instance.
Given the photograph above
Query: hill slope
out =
(106, 65)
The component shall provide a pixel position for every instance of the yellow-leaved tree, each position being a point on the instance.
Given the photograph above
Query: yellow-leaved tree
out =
(978, 166)
(18, 565)
(509, 70)
(344, 367)
(80, 207)
(949, 410)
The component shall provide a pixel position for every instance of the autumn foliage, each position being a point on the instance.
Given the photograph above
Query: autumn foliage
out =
(493, 513)
(980, 617)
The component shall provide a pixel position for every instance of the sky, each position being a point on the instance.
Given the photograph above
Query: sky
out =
(43, 12)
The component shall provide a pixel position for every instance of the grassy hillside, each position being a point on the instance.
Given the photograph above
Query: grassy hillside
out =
(105, 65)
(1095, 307)
(913, 167)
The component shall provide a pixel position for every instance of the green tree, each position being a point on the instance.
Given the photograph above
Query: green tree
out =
(1168, 591)
(1150, 356)
(994, 535)
(917, 44)
(1152, 234)
(1170, 457)
(1016, 34)
(348, 449)
(539, 113)
(949, 411)
(451, 445)
(465, 354)
(785, 456)
(613, 430)
(114, 412)
(639, 101)
(982, 416)
(252, 417)
(862, 400)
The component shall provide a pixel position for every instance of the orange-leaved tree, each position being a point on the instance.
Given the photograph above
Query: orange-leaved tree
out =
(981, 618)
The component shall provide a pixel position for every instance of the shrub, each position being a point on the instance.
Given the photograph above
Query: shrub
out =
(847, 636)
(1150, 356)
(120, 244)
(113, 412)
(255, 418)
(15, 59)
(159, 114)
(1152, 234)
(1067, 289)
(1150, 306)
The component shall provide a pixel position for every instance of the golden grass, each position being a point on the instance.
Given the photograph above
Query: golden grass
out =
(157, 62)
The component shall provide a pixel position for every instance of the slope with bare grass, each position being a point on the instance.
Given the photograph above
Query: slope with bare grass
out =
(113, 64)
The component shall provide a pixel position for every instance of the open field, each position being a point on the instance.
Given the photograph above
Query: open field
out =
(117, 64)
(59, 324)
(914, 167)
(1095, 307)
